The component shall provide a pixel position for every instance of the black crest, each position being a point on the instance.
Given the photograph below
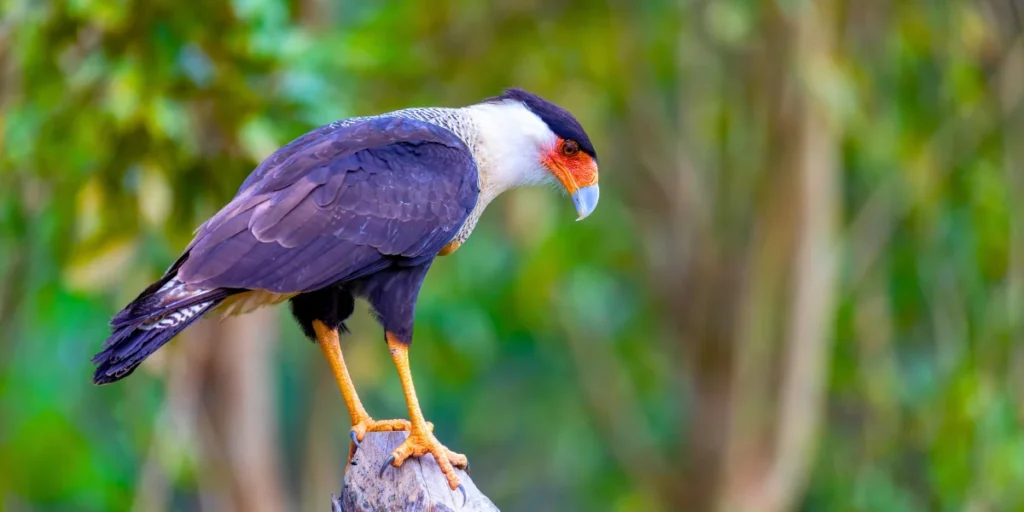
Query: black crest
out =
(561, 122)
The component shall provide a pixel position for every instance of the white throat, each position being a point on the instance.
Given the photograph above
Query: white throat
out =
(509, 145)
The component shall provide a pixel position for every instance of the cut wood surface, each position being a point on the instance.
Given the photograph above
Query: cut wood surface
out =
(418, 485)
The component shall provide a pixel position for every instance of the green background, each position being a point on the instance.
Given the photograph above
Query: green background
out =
(802, 290)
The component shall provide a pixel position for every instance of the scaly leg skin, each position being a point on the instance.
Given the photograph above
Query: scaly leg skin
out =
(361, 421)
(421, 440)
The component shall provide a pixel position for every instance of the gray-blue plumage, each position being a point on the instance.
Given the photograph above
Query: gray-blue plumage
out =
(384, 191)
(359, 208)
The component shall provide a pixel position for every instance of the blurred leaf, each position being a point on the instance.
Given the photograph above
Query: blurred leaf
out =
(101, 268)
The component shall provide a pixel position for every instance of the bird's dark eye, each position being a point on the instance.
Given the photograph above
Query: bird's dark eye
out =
(570, 148)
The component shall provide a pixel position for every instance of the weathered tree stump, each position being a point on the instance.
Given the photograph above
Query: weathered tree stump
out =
(418, 485)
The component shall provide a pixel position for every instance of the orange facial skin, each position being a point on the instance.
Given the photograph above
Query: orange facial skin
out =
(573, 168)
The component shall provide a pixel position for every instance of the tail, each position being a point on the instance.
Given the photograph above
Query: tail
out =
(148, 322)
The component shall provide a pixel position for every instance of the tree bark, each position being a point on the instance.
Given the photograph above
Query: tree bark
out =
(417, 485)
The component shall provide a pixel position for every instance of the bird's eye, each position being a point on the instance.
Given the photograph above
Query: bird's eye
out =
(570, 148)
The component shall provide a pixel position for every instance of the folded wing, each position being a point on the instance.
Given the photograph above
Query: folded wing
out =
(344, 203)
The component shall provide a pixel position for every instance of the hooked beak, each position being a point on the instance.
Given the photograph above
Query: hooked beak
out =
(585, 200)
(576, 171)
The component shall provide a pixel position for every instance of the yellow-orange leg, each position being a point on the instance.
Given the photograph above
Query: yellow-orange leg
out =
(421, 440)
(361, 421)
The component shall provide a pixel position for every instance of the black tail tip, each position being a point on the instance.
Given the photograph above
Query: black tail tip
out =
(102, 379)
(130, 344)
(106, 374)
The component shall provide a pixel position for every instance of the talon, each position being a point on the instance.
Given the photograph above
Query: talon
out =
(387, 462)
(419, 443)
(458, 460)
(366, 425)
(463, 490)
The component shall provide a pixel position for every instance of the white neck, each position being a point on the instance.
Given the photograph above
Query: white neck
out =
(508, 147)
(507, 142)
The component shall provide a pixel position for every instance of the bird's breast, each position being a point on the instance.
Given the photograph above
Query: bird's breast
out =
(467, 227)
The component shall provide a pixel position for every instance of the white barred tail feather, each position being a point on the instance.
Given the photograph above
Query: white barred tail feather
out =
(131, 344)
(148, 322)
(173, 319)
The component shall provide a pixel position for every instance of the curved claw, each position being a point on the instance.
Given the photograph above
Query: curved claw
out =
(463, 491)
(387, 462)
(355, 438)
(467, 466)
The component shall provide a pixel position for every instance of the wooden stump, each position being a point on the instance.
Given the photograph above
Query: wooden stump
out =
(418, 485)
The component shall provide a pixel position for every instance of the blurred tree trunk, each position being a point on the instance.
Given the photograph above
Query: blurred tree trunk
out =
(219, 413)
(770, 448)
(240, 400)
(1011, 93)
(178, 425)
(326, 439)
(747, 268)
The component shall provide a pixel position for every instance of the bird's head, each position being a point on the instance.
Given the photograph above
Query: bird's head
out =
(532, 141)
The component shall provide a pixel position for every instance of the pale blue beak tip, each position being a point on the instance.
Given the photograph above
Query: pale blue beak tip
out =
(585, 200)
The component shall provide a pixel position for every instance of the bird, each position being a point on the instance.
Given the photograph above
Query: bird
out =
(359, 209)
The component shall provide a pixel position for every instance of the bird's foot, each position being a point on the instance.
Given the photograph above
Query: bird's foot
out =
(366, 425)
(421, 442)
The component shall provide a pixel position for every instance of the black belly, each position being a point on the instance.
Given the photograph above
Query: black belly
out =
(331, 305)
(390, 292)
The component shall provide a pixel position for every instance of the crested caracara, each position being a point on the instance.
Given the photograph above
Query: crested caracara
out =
(359, 208)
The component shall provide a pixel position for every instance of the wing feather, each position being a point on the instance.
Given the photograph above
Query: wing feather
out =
(337, 205)
(273, 219)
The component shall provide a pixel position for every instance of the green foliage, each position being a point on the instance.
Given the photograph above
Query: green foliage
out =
(543, 348)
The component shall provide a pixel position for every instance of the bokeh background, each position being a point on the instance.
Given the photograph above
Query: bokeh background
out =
(803, 288)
